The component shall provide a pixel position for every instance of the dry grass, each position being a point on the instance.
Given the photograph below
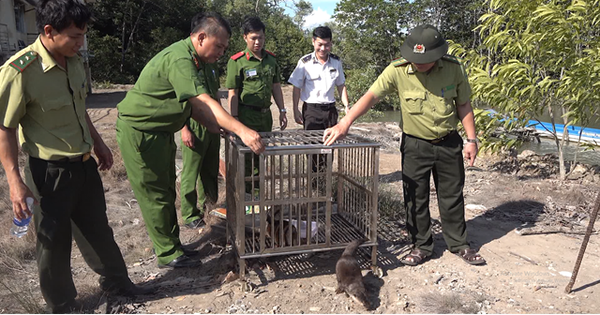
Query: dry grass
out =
(391, 204)
(447, 303)
(17, 256)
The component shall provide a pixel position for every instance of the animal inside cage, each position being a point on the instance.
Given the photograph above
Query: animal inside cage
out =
(301, 196)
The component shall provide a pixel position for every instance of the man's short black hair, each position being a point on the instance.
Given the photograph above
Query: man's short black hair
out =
(252, 24)
(60, 14)
(210, 23)
(322, 32)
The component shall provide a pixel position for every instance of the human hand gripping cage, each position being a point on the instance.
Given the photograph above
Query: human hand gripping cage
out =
(301, 196)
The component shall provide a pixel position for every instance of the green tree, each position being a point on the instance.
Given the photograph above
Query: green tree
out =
(126, 34)
(372, 31)
(539, 56)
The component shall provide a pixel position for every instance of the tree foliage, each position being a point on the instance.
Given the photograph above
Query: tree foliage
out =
(540, 57)
(126, 34)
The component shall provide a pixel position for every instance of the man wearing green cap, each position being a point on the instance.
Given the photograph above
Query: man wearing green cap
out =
(435, 95)
(172, 87)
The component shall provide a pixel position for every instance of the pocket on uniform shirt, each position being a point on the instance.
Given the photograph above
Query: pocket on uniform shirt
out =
(56, 111)
(312, 75)
(449, 97)
(413, 101)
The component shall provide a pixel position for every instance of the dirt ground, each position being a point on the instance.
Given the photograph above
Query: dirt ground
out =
(525, 222)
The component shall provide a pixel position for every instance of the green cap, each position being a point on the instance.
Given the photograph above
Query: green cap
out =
(424, 44)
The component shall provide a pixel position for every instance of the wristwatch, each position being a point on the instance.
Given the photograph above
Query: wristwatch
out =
(282, 110)
(473, 141)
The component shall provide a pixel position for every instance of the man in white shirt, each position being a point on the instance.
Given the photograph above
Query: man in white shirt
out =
(314, 80)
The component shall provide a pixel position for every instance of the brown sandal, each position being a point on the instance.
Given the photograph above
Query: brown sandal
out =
(470, 256)
(415, 257)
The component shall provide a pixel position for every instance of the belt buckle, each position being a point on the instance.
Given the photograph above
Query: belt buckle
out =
(85, 157)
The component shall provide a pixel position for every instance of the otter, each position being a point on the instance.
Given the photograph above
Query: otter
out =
(349, 277)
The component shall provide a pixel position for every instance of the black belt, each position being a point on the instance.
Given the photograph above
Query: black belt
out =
(438, 140)
(256, 108)
(323, 106)
(76, 159)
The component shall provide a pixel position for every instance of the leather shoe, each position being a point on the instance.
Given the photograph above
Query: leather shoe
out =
(182, 261)
(196, 224)
(190, 252)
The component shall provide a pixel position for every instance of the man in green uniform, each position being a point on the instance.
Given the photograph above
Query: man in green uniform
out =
(200, 154)
(435, 95)
(43, 90)
(171, 88)
(253, 75)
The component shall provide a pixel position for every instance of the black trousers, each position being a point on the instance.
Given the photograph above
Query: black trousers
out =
(319, 117)
(420, 159)
(72, 205)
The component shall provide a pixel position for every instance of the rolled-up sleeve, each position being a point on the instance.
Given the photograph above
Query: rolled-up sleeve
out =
(341, 79)
(13, 98)
(463, 88)
(234, 80)
(297, 77)
(385, 83)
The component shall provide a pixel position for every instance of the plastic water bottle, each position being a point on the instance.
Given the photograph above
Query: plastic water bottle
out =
(20, 227)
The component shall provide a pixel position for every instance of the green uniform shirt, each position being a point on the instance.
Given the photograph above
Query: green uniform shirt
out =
(428, 100)
(158, 101)
(253, 78)
(48, 102)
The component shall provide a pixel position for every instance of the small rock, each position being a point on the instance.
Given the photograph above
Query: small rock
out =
(479, 208)
(231, 276)
(580, 169)
(314, 309)
(526, 154)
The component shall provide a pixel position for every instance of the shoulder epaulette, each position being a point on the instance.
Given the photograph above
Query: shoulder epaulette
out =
(24, 61)
(398, 62)
(336, 57)
(237, 56)
(452, 59)
(270, 53)
(306, 58)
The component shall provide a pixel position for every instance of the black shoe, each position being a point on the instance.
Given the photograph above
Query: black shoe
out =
(131, 290)
(190, 252)
(182, 261)
(196, 224)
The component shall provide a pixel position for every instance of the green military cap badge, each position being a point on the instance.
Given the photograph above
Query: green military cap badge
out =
(398, 62)
(24, 61)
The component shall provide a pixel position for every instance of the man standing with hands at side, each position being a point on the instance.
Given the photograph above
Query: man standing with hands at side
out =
(314, 79)
(253, 76)
(435, 95)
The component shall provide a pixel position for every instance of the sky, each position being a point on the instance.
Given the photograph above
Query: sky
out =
(322, 12)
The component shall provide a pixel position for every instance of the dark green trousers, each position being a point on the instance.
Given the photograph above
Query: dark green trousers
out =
(199, 177)
(149, 159)
(260, 122)
(420, 159)
(72, 205)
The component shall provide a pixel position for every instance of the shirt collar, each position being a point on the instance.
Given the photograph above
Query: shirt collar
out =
(438, 65)
(44, 55)
(195, 57)
(316, 60)
(249, 54)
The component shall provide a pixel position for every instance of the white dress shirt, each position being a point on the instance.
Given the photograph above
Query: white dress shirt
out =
(317, 81)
